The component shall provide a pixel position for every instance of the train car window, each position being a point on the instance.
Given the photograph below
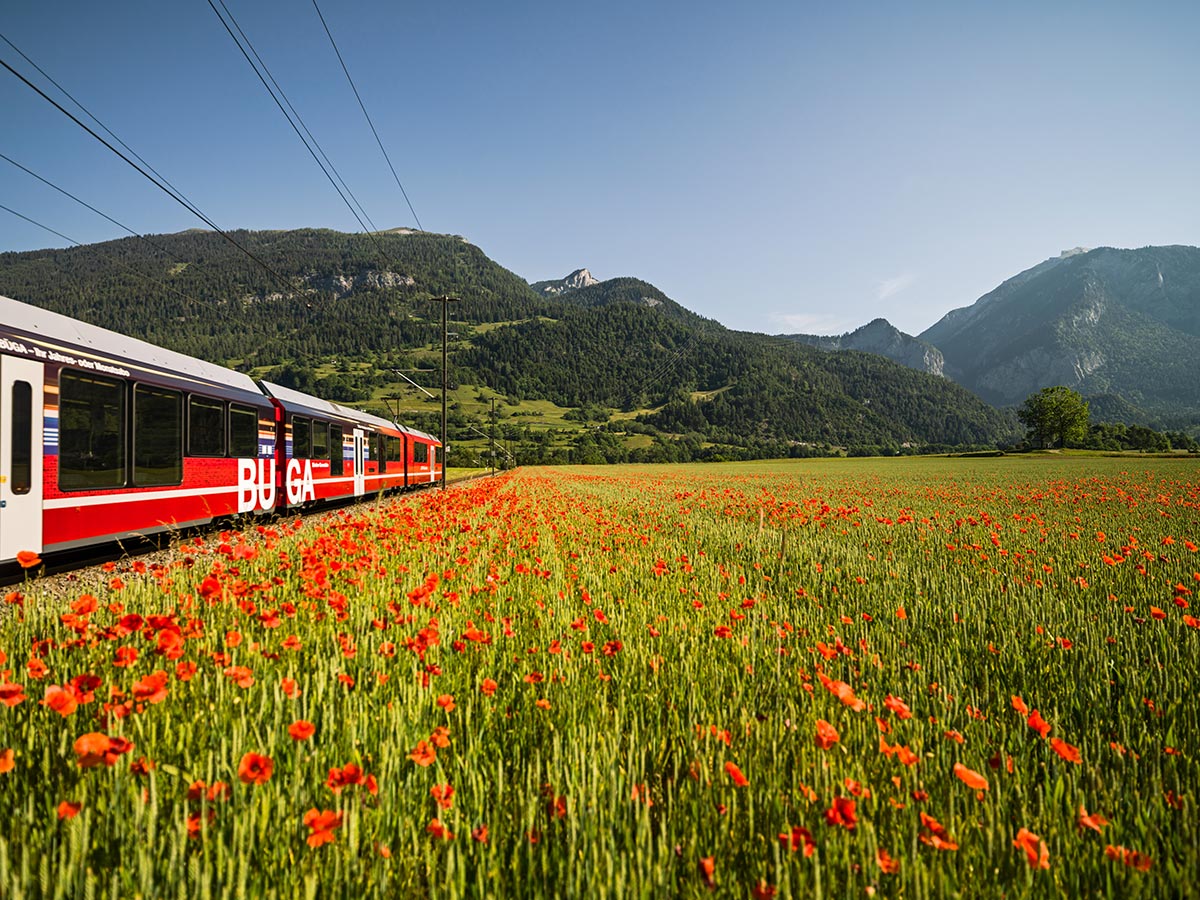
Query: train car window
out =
(157, 436)
(301, 437)
(337, 457)
(91, 437)
(320, 440)
(206, 427)
(377, 450)
(420, 452)
(393, 449)
(243, 431)
(22, 437)
(438, 455)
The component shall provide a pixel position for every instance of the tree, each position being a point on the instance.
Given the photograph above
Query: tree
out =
(1055, 416)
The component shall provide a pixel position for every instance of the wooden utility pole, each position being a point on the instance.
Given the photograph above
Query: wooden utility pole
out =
(493, 430)
(444, 301)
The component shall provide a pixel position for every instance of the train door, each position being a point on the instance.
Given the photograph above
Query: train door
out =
(360, 463)
(20, 456)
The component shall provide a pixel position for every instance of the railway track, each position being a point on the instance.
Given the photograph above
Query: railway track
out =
(71, 570)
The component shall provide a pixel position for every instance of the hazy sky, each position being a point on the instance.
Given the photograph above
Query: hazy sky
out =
(776, 166)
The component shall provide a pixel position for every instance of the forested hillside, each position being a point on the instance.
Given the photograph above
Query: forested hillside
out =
(340, 294)
(339, 314)
(629, 356)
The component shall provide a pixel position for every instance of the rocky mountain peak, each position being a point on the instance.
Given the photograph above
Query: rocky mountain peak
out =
(578, 279)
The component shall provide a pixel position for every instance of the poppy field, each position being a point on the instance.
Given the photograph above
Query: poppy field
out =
(914, 677)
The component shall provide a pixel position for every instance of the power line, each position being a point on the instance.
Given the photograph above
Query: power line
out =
(67, 193)
(170, 192)
(299, 134)
(93, 117)
(365, 113)
(119, 262)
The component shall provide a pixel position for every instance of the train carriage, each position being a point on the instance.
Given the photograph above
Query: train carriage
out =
(104, 437)
(327, 451)
(422, 457)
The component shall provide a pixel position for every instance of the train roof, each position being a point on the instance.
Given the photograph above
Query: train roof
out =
(418, 433)
(62, 333)
(317, 406)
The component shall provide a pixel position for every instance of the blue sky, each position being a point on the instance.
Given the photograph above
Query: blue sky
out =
(776, 166)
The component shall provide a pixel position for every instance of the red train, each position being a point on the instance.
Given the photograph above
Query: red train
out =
(104, 437)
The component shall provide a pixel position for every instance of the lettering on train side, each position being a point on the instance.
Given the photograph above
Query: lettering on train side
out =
(299, 481)
(256, 484)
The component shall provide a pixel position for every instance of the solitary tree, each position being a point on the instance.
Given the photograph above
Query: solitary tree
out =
(1055, 416)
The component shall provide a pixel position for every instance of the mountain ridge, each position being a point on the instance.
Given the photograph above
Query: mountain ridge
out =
(352, 308)
(1103, 321)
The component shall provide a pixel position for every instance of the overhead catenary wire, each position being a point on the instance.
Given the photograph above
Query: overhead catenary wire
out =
(363, 107)
(299, 119)
(91, 115)
(160, 184)
(123, 264)
(309, 147)
(84, 203)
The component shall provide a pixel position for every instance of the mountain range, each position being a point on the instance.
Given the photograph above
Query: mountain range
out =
(338, 314)
(1122, 327)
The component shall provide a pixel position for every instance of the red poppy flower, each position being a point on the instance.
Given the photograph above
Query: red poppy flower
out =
(61, 700)
(842, 813)
(301, 730)
(439, 831)
(240, 675)
(69, 810)
(826, 735)
(708, 865)
(1095, 821)
(27, 559)
(798, 838)
(1131, 858)
(424, 754)
(443, 794)
(488, 687)
(970, 778)
(1036, 852)
(934, 834)
(6, 761)
(1038, 724)
(898, 706)
(322, 824)
(887, 865)
(11, 694)
(95, 748)
(735, 773)
(152, 688)
(1066, 751)
(255, 769)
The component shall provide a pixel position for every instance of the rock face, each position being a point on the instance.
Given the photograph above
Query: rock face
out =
(1124, 323)
(881, 337)
(578, 279)
(341, 285)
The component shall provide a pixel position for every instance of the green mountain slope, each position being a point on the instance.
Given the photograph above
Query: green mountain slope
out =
(1105, 322)
(346, 310)
(341, 294)
(629, 355)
